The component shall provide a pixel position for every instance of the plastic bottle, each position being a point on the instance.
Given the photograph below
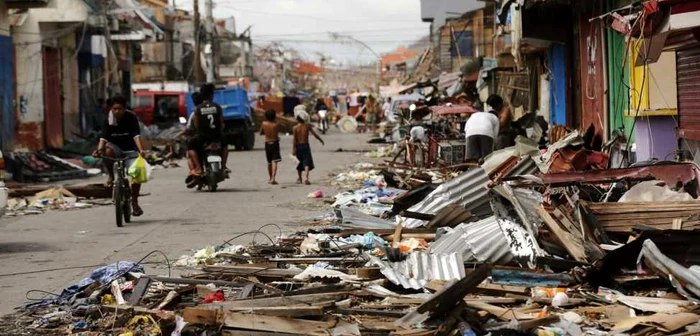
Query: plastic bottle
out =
(465, 329)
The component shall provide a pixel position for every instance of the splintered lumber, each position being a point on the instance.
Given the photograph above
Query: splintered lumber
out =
(446, 298)
(309, 299)
(256, 322)
(256, 271)
(370, 312)
(277, 324)
(504, 314)
(397, 234)
(284, 311)
(622, 217)
(570, 243)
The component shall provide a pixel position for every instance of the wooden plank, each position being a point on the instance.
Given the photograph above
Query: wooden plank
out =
(237, 332)
(201, 316)
(568, 241)
(139, 290)
(370, 312)
(186, 281)
(447, 298)
(503, 314)
(643, 215)
(397, 235)
(285, 311)
(570, 227)
(256, 271)
(310, 299)
(504, 288)
(276, 324)
(368, 273)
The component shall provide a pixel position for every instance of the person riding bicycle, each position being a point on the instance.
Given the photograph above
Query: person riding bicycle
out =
(207, 127)
(121, 139)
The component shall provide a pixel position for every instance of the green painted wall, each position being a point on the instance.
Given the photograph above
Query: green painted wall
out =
(618, 79)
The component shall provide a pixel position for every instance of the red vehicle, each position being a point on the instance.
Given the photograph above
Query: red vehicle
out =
(161, 108)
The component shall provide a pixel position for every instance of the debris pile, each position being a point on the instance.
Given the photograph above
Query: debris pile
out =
(532, 241)
(32, 200)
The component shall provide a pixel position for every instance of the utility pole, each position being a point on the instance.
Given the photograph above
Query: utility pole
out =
(108, 45)
(209, 9)
(197, 46)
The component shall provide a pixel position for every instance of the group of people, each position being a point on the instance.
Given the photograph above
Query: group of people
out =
(301, 149)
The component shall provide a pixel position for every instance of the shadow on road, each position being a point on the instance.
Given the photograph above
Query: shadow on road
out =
(24, 247)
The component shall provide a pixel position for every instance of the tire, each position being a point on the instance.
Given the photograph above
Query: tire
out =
(118, 204)
(211, 181)
(127, 212)
(249, 140)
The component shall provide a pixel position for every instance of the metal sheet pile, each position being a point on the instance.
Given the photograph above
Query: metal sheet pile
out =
(523, 244)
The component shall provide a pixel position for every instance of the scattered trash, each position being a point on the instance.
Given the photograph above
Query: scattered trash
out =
(527, 243)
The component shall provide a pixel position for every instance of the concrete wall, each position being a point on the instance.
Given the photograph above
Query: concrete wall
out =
(48, 26)
(656, 138)
(70, 84)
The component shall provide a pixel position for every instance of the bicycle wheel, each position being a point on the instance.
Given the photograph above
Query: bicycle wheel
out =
(118, 202)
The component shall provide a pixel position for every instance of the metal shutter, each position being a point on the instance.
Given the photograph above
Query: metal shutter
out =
(688, 79)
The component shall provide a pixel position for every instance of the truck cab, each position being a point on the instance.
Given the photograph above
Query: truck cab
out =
(162, 108)
(239, 128)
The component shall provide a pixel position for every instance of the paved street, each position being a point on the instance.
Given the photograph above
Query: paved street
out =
(177, 220)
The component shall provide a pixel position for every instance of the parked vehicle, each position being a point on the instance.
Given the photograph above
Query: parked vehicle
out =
(162, 108)
(211, 162)
(239, 129)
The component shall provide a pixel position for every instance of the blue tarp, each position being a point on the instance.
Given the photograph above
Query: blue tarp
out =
(104, 274)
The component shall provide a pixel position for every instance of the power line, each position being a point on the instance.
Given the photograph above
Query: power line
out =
(248, 10)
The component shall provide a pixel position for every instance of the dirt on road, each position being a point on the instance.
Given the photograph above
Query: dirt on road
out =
(53, 250)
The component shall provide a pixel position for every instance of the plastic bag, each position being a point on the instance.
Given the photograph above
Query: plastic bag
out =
(138, 171)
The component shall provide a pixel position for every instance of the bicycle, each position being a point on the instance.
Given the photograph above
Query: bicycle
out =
(121, 192)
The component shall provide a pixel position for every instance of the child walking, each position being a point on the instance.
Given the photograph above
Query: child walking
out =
(271, 130)
(301, 148)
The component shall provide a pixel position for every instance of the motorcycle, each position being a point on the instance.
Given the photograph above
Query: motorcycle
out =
(211, 162)
(323, 121)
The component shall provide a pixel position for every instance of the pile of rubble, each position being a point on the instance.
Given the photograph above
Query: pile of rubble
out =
(529, 242)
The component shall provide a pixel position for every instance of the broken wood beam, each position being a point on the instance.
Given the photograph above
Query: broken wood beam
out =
(370, 312)
(256, 271)
(446, 298)
(570, 243)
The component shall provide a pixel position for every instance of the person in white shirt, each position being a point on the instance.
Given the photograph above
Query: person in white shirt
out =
(386, 108)
(481, 129)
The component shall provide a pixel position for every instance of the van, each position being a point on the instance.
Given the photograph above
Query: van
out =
(161, 108)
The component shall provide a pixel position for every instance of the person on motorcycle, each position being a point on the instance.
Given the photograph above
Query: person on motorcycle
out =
(121, 138)
(207, 127)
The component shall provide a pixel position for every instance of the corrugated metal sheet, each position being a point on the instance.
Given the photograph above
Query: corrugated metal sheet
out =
(525, 166)
(685, 280)
(7, 115)
(688, 79)
(468, 190)
(421, 267)
(355, 218)
(482, 241)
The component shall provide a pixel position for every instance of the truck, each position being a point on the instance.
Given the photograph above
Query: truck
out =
(239, 127)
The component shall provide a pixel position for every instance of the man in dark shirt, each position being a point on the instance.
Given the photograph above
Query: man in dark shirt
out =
(121, 138)
(207, 126)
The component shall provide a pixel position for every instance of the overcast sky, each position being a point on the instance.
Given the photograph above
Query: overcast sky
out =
(304, 24)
